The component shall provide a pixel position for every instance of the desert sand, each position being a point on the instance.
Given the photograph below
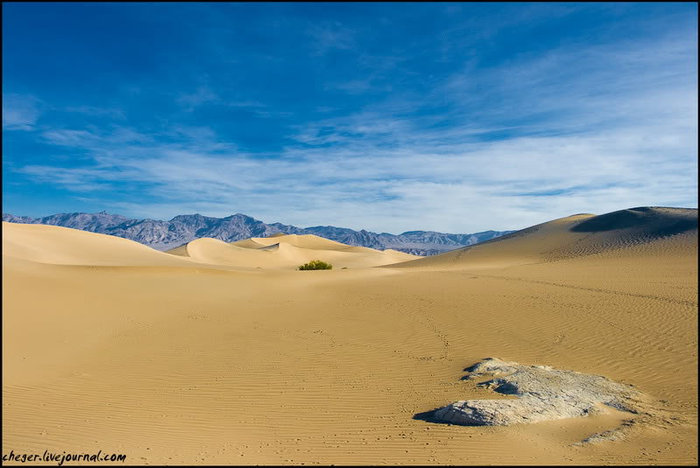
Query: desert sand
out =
(219, 353)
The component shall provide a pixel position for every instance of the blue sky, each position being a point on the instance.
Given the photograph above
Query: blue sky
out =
(454, 117)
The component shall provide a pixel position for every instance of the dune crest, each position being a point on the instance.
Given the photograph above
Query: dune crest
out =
(286, 252)
(65, 246)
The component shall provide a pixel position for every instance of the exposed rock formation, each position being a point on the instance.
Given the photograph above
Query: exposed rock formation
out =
(542, 393)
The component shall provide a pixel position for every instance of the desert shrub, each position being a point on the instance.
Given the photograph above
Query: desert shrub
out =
(316, 265)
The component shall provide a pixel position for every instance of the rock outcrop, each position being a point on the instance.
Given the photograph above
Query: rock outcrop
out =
(541, 393)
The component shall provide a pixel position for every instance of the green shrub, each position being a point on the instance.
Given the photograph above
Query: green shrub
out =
(316, 265)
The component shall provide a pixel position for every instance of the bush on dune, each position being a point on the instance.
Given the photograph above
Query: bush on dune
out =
(316, 265)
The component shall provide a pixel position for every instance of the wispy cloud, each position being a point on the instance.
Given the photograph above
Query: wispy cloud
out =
(19, 112)
(329, 36)
(98, 111)
(202, 95)
(490, 183)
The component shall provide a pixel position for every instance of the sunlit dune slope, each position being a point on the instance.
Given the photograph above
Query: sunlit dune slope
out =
(65, 246)
(286, 252)
(305, 241)
(571, 237)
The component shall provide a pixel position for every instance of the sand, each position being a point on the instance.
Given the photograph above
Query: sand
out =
(222, 353)
(286, 252)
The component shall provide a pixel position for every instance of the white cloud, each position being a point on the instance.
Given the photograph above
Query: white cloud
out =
(19, 112)
(459, 188)
(98, 111)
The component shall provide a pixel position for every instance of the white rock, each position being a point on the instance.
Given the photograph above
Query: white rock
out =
(542, 393)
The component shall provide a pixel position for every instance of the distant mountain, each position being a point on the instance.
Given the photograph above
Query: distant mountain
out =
(164, 235)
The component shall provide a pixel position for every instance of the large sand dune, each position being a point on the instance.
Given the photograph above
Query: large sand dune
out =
(199, 356)
(570, 237)
(65, 246)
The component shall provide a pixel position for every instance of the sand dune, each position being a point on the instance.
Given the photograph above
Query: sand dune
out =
(198, 357)
(65, 246)
(570, 237)
(286, 252)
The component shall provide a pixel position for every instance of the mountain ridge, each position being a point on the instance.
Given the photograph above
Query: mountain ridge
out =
(181, 229)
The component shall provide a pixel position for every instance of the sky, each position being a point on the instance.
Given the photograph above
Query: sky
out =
(390, 117)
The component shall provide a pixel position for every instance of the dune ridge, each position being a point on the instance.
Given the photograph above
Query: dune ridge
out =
(286, 252)
(66, 246)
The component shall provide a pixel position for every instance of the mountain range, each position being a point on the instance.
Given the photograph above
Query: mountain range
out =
(165, 235)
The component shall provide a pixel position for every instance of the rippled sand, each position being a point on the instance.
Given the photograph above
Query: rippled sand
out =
(224, 354)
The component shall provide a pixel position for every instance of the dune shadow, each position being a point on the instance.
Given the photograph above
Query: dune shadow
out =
(654, 221)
